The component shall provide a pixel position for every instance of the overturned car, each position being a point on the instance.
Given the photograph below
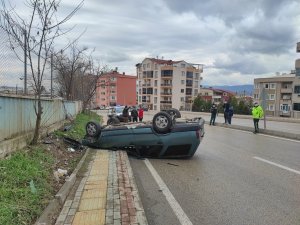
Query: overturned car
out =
(164, 137)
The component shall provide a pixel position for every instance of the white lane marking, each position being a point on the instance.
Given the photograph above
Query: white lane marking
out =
(182, 217)
(278, 165)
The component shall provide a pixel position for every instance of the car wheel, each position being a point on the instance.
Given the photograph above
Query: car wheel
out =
(174, 113)
(162, 122)
(93, 129)
(113, 121)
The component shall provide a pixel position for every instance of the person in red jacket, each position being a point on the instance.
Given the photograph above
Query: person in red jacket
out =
(141, 114)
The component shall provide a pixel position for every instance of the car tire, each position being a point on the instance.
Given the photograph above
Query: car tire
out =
(162, 122)
(174, 113)
(113, 121)
(93, 129)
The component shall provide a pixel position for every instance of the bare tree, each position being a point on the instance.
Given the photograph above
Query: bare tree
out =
(76, 74)
(36, 37)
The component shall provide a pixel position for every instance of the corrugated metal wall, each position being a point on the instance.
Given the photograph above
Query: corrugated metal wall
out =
(17, 114)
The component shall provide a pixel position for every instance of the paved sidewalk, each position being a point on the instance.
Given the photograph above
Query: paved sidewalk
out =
(106, 195)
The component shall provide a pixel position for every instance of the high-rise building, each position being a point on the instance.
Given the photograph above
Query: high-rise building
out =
(164, 84)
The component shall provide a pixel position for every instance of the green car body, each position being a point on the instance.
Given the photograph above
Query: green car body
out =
(180, 141)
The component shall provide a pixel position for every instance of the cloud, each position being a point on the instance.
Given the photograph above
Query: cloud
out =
(235, 40)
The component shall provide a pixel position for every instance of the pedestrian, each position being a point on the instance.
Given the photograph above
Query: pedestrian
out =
(226, 106)
(125, 114)
(213, 115)
(257, 114)
(230, 114)
(141, 114)
(134, 114)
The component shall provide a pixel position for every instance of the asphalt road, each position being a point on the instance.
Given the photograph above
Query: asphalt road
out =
(234, 178)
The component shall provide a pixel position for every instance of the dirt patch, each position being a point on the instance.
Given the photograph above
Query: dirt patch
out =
(66, 158)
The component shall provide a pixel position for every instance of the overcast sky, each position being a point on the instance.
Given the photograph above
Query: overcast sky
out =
(236, 40)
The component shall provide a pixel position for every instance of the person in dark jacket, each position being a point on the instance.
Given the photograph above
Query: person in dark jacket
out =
(213, 115)
(134, 115)
(125, 114)
(226, 106)
(230, 114)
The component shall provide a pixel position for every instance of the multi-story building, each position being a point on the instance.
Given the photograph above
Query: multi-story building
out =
(115, 89)
(164, 84)
(214, 95)
(280, 94)
(275, 94)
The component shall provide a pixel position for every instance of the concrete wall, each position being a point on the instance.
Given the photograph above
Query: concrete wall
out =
(17, 118)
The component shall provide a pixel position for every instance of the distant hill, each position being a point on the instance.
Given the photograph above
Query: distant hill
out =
(239, 89)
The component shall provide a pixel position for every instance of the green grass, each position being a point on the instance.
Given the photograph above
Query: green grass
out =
(78, 127)
(26, 178)
(19, 202)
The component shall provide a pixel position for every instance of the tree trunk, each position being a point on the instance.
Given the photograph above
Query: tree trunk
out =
(37, 123)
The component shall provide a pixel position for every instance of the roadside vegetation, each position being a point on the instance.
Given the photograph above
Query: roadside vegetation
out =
(240, 106)
(27, 181)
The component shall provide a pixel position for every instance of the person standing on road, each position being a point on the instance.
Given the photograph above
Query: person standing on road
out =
(230, 114)
(213, 115)
(141, 114)
(257, 114)
(226, 106)
(125, 114)
(134, 114)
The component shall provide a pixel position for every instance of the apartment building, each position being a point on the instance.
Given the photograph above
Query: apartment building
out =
(214, 95)
(164, 84)
(115, 89)
(280, 94)
(275, 94)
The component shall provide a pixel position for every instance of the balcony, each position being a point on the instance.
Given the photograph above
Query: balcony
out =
(286, 90)
(166, 93)
(166, 102)
(166, 85)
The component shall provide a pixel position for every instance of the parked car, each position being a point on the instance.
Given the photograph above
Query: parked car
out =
(165, 137)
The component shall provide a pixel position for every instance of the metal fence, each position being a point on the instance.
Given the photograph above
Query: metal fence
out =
(12, 69)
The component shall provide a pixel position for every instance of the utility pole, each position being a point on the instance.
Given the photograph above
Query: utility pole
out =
(25, 62)
(264, 98)
(51, 79)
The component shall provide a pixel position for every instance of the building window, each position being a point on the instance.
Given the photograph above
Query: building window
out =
(155, 100)
(144, 66)
(182, 65)
(271, 107)
(284, 107)
(183, 73)
(155, 91)
(148, 65)
(112, 97)
(297, 90)
(155, 83)
(271, 97)
(155, 107)
(256, 85)
(272, 86)
(224, 94)
(196, 76)
(255, 96)
(155, 66)
(156, 74)
(182, 81)
(182, 90)
(195, 91)
(266, 86)
(297, 106)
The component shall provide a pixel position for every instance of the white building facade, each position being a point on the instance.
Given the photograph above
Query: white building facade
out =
(164, 84)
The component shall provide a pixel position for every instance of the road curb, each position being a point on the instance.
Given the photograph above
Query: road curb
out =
(261, 131)
(54, 207)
